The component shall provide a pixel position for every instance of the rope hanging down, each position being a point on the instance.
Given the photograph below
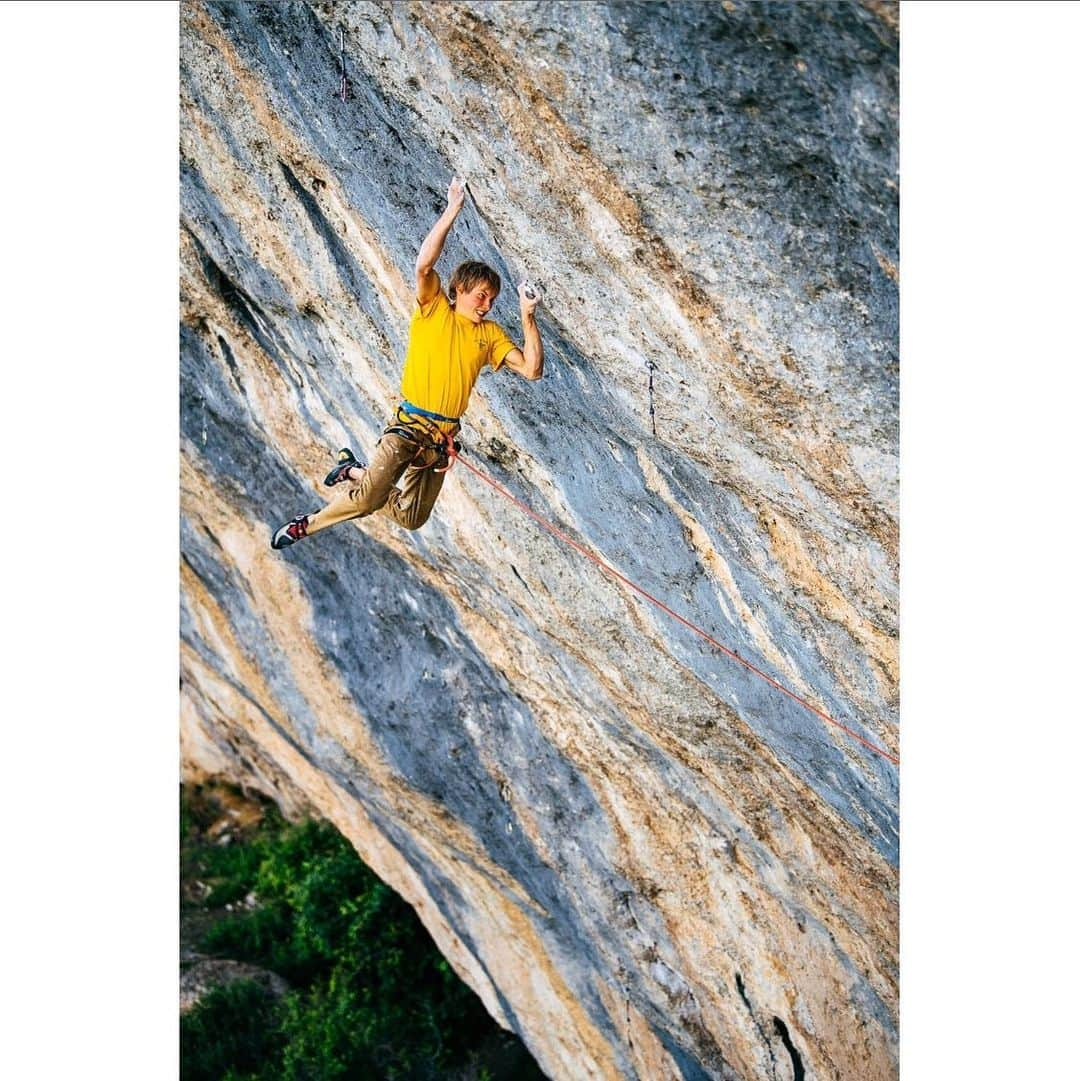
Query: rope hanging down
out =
(454, 456)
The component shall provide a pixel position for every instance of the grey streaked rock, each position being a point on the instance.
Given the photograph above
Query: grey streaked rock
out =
(646, 860)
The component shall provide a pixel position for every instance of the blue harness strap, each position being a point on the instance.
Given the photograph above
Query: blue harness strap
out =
(408, 407)
(426, 435)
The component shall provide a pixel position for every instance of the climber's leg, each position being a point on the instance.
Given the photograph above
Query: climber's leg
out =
(356, 498)
(410, 506)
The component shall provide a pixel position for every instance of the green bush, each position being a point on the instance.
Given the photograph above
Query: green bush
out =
(371, 995)
(231, 1033)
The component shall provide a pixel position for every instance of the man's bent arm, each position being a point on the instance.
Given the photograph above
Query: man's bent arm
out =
(534, 347)
(427, 281)
(530, 364)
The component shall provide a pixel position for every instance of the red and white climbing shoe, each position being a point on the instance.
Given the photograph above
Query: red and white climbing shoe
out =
(340, 472)
(290, 532)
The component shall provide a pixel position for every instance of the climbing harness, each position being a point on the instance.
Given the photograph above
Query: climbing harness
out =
(452, 452)
(419, 427)
(415, 410)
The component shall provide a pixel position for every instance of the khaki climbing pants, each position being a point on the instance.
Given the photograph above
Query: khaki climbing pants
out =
(409, 506)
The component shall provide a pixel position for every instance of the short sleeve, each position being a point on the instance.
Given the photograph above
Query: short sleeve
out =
(501, 346)
(437, 302)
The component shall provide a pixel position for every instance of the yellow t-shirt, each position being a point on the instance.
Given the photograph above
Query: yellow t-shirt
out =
(446, 352)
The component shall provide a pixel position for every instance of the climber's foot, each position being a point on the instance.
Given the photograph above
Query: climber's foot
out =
(340, 472)
(290, 532)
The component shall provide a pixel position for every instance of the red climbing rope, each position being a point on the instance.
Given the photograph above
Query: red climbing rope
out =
(455, 456)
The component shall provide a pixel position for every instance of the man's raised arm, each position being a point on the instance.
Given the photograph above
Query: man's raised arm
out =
(427, 281)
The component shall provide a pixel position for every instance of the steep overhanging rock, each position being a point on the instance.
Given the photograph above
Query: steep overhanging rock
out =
(645, 860)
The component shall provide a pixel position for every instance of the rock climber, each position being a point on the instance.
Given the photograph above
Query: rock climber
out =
(450, 340)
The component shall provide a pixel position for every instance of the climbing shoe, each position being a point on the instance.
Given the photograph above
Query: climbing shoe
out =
(340, 472)
(290, 532)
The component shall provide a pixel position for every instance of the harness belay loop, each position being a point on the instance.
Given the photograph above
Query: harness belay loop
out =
(418, 427)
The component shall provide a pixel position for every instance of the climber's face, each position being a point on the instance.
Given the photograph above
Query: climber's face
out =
(477, 302)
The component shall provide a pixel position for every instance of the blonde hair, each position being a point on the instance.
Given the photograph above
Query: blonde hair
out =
(470, 274)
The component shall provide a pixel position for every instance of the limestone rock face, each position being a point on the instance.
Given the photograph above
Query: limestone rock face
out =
(643, 857)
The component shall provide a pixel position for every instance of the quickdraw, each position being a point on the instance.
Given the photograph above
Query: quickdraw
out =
(343, 88)
(652, 408)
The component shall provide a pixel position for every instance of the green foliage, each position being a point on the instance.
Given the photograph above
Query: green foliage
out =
(371, 996)
(230, 1033)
